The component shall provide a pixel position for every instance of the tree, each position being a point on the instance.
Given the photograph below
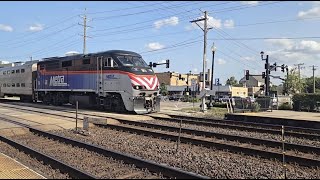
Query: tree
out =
(292, 83)
(309, 84)
(232, 81)
(163, 89)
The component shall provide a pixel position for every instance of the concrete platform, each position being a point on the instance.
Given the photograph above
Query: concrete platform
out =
(280, 117)
(12, 169)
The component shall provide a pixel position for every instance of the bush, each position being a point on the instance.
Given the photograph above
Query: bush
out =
(255, 107)
(305, 102)
(219, 105)
(285, 106)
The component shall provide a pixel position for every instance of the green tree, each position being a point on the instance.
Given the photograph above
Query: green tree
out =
(292, 83)
(309, 84)
(232, 81)
(163, 89)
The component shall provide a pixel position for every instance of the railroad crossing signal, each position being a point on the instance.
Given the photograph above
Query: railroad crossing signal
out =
(282, 67)
(263, 75)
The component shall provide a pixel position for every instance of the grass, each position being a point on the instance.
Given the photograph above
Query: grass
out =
(214, 112)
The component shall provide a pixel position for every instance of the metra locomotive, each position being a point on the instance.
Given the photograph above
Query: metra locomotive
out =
(114, 80)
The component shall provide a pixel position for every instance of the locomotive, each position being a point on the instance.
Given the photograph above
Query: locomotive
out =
(115, 80)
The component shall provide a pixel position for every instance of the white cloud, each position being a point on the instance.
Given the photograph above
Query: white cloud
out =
(313, 12)
(6, 28)
(304, 51)
(173, 21)
(195, 70)
(228, 23)
(212, 22)
(221, 61)
(36, 27)
(253, 3)
(282, 43)
(155, 46)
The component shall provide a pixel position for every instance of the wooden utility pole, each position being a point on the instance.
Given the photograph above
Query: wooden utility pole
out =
(205, 30)
(314, 79)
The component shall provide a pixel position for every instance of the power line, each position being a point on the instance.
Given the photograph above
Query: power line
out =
(264, 38)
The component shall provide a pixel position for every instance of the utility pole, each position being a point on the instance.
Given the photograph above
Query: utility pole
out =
(85, 26)
(314, 79)
(299, 68)
(205, 30)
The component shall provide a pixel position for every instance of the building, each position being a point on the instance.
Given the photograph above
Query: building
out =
(172, 79)
(253, 85)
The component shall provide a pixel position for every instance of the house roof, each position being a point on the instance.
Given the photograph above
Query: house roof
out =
(256, 77)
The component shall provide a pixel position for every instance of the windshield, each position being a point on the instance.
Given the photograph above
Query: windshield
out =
(132, 61)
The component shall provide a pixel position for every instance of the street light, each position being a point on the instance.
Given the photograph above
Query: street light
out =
(213, 49)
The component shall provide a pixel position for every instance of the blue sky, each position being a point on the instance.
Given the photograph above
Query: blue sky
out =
(162, 30)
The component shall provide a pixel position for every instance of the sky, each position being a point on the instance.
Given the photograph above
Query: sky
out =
(288, 31)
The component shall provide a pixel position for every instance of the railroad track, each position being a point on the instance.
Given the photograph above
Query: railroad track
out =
(237, 125)
(235, 144)
(53, 143)
(246, 126)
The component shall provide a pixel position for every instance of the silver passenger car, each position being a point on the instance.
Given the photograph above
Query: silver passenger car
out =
(17, 80)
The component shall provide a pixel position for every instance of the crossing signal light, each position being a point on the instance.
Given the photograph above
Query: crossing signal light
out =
(150, 64)
(247, 74)
(262, 87)
(282, 67)
(263, 75)
(275, 66)
(167, 63)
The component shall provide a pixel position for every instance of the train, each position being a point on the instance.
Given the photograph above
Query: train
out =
(114, 80)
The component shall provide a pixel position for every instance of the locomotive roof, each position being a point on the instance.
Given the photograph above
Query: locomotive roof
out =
(77, 56)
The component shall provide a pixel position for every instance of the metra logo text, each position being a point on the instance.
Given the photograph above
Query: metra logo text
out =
(57, 81)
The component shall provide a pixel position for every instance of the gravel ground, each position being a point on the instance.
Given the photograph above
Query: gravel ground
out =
(266, 136)
(91, 162)
(32, 163)
(204, 161)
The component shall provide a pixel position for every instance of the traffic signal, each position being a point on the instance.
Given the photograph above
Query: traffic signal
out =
(154, 64)
(275, 66)
(287, 68)
(263, 75)
(247, 74)
(262, 87)
(167, 63)
(180, 77)
(282, 67)
(150, 64)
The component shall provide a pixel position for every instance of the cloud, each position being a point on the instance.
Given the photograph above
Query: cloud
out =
(252, 3)
(173, 21)
(282, 43)
(155, 46)
(212, 22)
(36, 27)
(228, 24)
(304, 51)
(195, 70)
(6, 28)
(313, 12)
(221, 61)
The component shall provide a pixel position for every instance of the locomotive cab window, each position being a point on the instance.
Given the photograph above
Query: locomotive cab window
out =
(109, 62)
